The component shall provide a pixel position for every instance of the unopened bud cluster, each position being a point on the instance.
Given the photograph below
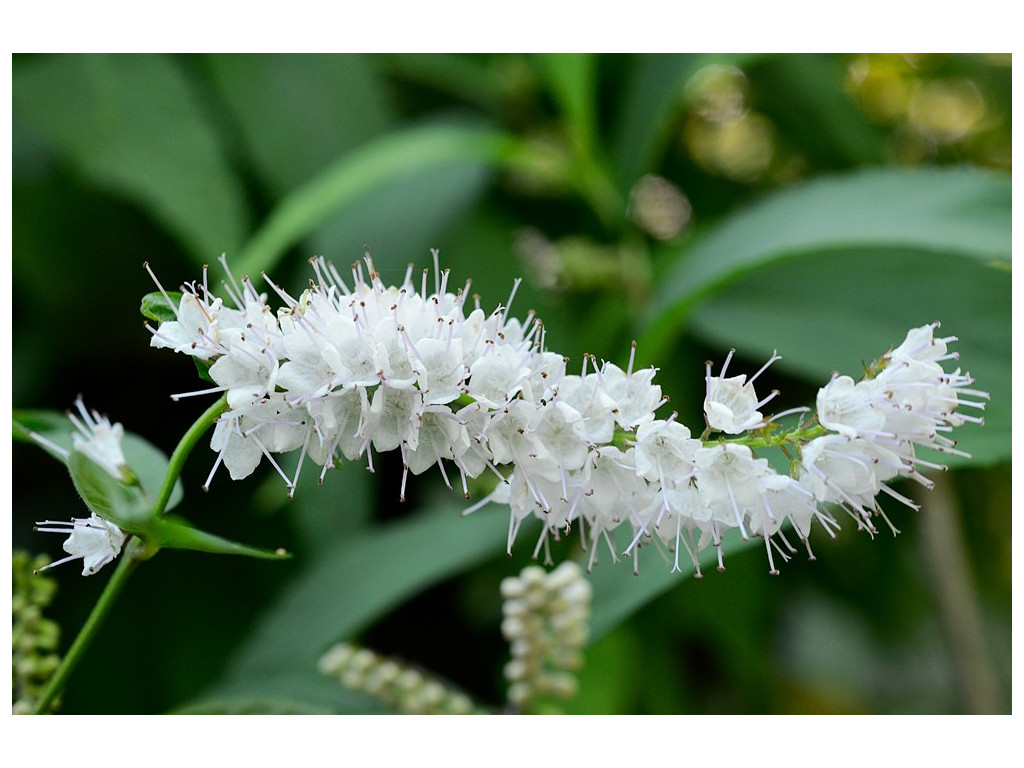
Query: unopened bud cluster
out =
(350, 368)
(403, 688)
(545, 622)
(34, 638)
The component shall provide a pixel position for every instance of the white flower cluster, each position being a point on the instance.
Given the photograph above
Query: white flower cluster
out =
(343, 371)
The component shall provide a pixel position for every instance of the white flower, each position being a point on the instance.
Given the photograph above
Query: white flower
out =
(526, 496)
(195, 332)
(850, 472)
(248, 374)
(242, 438)
(784, 498)
(673, 516)
(919, 400)
(93, 540)
(441, 436)
(921, 345)
(546, 374)
(339, 419)
(558, 433)
(100, 440)
(510, 433)
(587, 396)
(731, 482)
(847, 407)
(497, 375)
(635, 396)
(200, 316)
(439, 368)
(665, 452)
(393, 418)
(730, 405)
(915, 383)
(612, 493)
(477, 457)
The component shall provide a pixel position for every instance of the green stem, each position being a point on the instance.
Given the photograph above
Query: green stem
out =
(957, 595)
(794, 437)
(776, 440)
(88, 631)
(185, 446)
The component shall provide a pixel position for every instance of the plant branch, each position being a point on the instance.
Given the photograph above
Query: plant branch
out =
(185, 446)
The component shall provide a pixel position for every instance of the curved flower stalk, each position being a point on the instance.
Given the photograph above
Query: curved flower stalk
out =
(402, 687)
(352, 367)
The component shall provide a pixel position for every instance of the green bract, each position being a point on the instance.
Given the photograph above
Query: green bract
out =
(156, 307)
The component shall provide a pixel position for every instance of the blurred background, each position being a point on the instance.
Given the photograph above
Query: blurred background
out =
(820, 205)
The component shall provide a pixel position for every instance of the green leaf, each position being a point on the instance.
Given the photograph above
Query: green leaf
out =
(131, 125)
(149, 465)
(353, 582)
(484, 81)
(571, 80)
(952, 211)
(440, 196)
(391, 158)
(126, 506)
(599, 691)
(52, 426)
(176, 533)
(156, 307)
(298, 113)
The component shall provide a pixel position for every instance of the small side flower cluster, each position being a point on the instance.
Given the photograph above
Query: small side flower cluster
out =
(92, 540)
(345, 370)
(404, 688)
(866, 434)
(545, 622)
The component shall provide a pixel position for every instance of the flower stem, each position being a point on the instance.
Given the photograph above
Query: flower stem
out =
(88, 631)
(185, 446)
